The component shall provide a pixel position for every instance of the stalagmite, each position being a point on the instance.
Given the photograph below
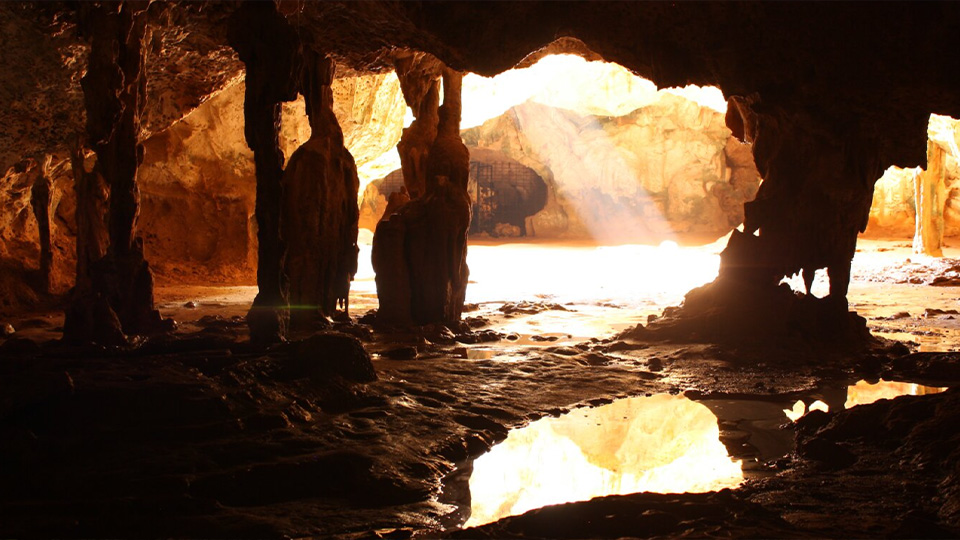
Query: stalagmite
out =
(319, 213)
(268, 46)
(119, 294)
(930, 198)
(40, 203)
(419, 251)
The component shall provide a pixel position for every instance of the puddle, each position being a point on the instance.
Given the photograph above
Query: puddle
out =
(861, 393)
(662, 443)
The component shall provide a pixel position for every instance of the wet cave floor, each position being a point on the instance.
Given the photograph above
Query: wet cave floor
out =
(203, 436)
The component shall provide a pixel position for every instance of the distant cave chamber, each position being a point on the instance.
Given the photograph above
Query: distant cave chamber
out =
(503, 193)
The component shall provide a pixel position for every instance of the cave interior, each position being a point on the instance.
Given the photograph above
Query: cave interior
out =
(479, 269)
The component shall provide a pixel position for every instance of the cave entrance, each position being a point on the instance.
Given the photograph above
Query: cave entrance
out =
(589, 184)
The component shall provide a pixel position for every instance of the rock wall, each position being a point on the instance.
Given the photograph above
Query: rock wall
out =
(666, 169)
(893, 213)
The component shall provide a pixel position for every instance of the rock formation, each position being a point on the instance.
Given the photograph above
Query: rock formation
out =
(268, 46)
(922, 202)
(420, 250)
(814, 201)
(930, 196)
(318, 214)
(118, 298)
(40, 202)
(418, 74)
(670, 167)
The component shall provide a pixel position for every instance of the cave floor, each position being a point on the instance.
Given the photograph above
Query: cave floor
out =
(198, 436)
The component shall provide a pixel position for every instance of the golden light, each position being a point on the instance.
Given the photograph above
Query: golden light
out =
(662, 444)
(864, 393)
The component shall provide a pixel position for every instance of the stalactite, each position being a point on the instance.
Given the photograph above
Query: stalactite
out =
(268, 47)
(419, 75)
(114, 91)
(419, 251)
(319, 213)
(930, 198)
(40, 203)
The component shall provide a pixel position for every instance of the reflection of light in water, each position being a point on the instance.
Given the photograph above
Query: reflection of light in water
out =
(663, 444)
(863, 392)
(798, 410)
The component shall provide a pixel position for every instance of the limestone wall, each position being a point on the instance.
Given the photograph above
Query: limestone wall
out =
(893, 213)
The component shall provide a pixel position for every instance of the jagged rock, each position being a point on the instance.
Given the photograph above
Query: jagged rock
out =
(121, 280)
(268, 46)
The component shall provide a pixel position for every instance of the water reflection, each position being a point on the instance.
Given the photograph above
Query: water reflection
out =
(662, 443)
(861, 393)
(865, 392)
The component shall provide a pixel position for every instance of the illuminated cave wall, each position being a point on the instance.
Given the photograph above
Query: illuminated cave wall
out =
(667, 169)
(893, 213)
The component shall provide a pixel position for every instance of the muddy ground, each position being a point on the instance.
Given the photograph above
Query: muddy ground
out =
(201, 435)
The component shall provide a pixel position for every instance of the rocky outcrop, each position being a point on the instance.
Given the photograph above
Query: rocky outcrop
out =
(318, 213)
(813, 202)
(420, 249)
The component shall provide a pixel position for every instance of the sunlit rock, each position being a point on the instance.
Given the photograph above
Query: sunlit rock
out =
(663, 169)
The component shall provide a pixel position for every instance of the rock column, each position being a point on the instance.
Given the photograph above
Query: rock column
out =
(268, 46)
(930, 198)
(120, 290)
(319, 213)
(419, 75)
(814, 200)
(420, 249)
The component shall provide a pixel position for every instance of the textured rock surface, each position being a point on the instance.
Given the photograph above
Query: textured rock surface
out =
(815, 83)
(113, 295)
(894, 209)
(420, 247)
(669, 167)
(318, 212)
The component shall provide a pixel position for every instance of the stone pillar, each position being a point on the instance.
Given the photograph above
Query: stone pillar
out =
(268, 47)
(40, 203)
(419, 75)
(930, 198)
(114, 90)
(419, 251)
(319, 213)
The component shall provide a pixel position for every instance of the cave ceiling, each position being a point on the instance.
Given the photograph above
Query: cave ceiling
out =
(874, 68)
